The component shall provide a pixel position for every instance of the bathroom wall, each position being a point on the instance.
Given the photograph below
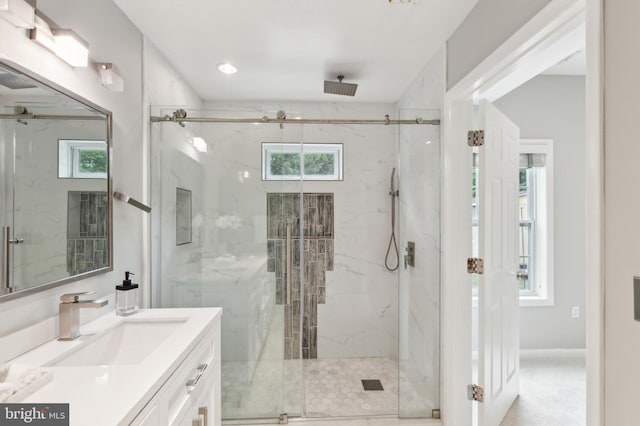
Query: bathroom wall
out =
(112, 38)
(174, 162)
(553, 107)
(419, 222)
(359, 317)
(621, 174)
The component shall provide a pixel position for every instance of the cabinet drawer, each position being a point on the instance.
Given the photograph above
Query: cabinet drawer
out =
(189, 378)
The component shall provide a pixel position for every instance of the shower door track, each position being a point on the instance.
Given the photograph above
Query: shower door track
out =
(301, 420)
(265, 120)
(32, 116)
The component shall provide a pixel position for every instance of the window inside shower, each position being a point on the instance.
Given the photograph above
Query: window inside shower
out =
(283, 161)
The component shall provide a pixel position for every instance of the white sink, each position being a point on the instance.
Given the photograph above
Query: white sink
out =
(129, 342)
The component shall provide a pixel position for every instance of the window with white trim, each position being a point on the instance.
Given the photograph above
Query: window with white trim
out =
(82, 159)
(281, 161)
(535, 234)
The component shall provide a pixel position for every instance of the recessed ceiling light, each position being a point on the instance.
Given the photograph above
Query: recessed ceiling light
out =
(227, 68)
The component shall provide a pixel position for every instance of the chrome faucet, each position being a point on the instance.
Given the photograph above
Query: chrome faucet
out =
(70, 305)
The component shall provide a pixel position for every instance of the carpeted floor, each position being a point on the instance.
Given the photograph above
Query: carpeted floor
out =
(552, 390)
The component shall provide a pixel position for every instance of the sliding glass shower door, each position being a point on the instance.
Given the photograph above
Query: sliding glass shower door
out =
(314, 325)
(419, 284)
(244, 250)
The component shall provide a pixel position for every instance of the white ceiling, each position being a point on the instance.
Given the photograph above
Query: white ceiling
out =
(284, 49)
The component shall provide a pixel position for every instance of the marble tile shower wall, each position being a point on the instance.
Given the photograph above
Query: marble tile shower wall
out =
(87, 241)
(359, 318)
(283, 210)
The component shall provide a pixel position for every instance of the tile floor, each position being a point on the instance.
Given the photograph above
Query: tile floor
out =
(332, 388)
(388, 421)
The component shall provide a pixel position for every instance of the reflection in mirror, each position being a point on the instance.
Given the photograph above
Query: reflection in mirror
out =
(183, 216)
(82, 159)
(55, 191)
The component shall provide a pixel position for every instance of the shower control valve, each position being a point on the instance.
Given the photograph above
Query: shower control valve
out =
(410, 257)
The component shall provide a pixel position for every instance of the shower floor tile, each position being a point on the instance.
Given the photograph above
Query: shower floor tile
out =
(332, 388)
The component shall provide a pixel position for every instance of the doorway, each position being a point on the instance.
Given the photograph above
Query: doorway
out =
(500, 69)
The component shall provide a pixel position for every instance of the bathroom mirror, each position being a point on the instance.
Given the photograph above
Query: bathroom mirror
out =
(183, 216)
(55, 186)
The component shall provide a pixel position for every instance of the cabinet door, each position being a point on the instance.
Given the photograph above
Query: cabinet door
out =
(190, 417)
(149, 416)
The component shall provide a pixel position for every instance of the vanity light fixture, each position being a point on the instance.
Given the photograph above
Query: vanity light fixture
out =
(41, 34)
(65, 43)
(200, 144)
(110, 76)
(71, 48)
(227, 68)
(19, 13)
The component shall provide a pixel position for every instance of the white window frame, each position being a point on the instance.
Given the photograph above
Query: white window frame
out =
(307, 148)
(543, 287)
(69, 160)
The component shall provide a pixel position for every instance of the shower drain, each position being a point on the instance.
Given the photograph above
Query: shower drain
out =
(372, 385)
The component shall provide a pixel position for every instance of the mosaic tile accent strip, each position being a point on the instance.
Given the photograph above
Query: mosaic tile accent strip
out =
(284, 209)
(87, 247)
(318, 215)
(86, 254)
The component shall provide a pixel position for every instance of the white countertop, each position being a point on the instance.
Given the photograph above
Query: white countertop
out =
(112, 395)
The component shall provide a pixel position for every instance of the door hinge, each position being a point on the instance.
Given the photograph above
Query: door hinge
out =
(435, 414)
(475, 393)
(475, 265)
(284, 419)
(475, 137)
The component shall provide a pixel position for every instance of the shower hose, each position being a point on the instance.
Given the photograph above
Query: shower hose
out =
(392, 240)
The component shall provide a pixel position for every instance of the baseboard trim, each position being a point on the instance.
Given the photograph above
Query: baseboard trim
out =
(535, 353)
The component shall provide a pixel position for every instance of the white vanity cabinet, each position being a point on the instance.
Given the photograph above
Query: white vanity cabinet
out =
(159, 367)
(191, 395)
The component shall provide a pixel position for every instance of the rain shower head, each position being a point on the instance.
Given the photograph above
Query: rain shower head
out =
(340, 88)
(11, 81)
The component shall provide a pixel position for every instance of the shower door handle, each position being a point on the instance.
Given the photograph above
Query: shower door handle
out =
(288, 269)
(6, 259)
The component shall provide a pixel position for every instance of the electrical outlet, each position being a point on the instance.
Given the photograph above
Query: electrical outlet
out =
(575, 312)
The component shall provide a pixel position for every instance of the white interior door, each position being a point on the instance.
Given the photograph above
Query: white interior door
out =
(498, 304)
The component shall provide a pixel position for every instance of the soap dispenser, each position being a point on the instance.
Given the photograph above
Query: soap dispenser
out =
(126, 297)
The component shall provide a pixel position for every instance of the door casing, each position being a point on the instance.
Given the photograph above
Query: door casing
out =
(531, 39)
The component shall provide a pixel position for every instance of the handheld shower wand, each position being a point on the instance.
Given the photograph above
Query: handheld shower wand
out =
(392, 241)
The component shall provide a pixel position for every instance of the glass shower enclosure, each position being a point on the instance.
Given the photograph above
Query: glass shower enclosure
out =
(230, 261)
(297, 265)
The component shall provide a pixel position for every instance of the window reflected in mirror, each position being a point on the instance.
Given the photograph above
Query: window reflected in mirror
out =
(82, 159)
